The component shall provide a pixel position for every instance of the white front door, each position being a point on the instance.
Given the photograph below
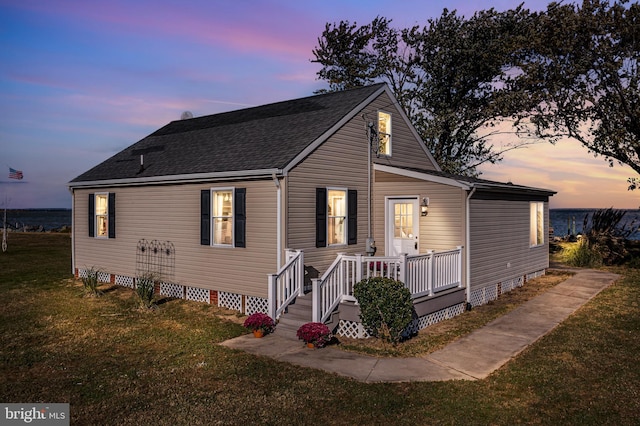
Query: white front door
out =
(402, 226)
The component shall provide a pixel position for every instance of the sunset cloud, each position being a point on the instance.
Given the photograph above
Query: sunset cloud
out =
(80, 80)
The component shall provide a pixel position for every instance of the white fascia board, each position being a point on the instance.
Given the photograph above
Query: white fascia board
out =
(422, 176)
(185, 178)
(326, 135)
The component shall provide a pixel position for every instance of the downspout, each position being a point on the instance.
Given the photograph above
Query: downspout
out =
(467, 251)
(370, 245)
(278, 220)
(73, 232)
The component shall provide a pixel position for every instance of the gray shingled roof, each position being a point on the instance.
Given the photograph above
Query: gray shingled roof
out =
(259, 138)
(484, 184)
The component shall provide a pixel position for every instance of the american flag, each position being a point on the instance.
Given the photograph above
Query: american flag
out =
(15, 174)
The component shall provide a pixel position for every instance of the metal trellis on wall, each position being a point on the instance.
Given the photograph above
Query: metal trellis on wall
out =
(156, 258)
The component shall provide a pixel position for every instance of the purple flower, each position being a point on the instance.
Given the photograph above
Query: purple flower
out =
(316, 333)
(260, 321)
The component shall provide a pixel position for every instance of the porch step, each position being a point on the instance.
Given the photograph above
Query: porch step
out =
(297, 314)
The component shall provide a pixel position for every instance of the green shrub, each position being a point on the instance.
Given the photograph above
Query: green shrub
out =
(145, 285)
(386, 308)
(90, 282)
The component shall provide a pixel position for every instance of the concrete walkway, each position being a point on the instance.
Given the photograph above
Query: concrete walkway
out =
(472, 357)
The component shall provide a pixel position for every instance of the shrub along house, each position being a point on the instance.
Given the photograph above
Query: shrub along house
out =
(251, 209)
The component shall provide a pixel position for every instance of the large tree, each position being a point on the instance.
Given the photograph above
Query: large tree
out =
(582, 67)
(452, 77)
(569, 71)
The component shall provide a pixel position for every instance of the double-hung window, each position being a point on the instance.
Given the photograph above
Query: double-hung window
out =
(102, 215)
(337, 216)
(223, 217)
(384, 133)
(536, 224)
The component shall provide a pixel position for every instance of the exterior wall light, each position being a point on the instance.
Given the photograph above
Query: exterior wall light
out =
(424, 207)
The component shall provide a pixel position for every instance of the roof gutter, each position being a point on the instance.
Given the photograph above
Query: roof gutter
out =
(178, 179)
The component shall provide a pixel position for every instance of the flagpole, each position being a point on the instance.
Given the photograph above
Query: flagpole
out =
(4, 226)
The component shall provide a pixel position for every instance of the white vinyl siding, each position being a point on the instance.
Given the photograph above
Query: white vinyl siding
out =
(500, 232)
(442, 229)
(342, 162)
(178, 220)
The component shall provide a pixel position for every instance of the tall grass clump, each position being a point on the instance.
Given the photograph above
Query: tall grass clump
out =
(606, 235)
(90, 282)
(604, 242)
(581, 255)
(145, 285)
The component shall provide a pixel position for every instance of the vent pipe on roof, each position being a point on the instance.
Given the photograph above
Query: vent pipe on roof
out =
(141, 163)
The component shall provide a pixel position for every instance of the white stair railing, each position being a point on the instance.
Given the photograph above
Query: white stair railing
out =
(287, 284)
(329, 289)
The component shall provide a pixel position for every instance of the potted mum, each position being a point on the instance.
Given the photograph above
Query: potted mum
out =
(260, 324)
(314, 334)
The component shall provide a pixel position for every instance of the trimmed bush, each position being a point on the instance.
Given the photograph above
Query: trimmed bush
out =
(386, 308)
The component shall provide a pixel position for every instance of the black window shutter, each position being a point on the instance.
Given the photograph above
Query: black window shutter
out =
(240, 217)
(92, 215)
(112, 215)
(321, 217)
(205, 217)
(352, 221)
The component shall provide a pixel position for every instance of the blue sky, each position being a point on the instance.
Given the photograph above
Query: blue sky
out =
(81, 80)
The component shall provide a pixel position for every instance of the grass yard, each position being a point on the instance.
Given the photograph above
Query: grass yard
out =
(117, 364)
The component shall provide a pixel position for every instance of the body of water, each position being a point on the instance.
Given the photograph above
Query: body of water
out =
(34, 218)
(570, 221)
(563, 221)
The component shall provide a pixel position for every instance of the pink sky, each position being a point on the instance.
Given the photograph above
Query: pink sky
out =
(81, 80)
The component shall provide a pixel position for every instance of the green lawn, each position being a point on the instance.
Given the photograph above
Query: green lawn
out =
(116, 364)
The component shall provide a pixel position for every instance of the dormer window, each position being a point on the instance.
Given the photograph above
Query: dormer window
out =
(384, 133)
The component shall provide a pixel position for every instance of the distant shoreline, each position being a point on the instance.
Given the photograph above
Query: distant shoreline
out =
(563, 221)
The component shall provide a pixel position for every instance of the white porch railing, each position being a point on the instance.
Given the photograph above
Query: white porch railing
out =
(287, 284)
(423, 275)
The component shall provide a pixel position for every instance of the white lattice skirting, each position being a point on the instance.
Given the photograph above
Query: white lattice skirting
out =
(435, 317)
(125, 281)
(256, 304)
(352, 330)
(484, 295)
(234, 301)
(230, 300)
(197, 294)
(356, 330)
(172, 290)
